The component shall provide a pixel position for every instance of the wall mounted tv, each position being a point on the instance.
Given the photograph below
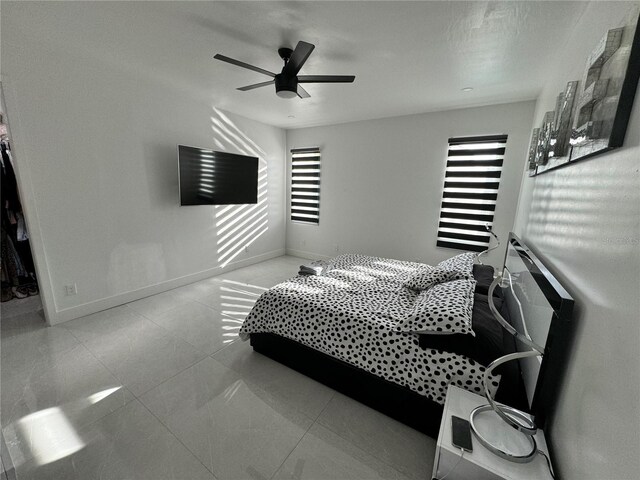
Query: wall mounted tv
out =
(207, 177)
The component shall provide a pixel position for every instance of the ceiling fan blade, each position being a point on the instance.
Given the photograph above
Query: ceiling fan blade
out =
(298, 57)
(326, 78)
(256, 85)
(243, 65)
(302, 93)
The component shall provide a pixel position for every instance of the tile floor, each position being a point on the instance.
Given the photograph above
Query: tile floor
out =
(162, 388)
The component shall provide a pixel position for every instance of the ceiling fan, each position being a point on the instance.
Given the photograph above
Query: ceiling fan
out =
(288, 81)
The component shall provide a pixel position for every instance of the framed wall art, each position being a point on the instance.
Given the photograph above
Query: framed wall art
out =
(561, 132)
(544, 139)
(533, 146)
(592, 115)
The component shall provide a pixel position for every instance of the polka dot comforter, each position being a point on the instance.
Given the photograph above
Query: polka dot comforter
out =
(351, 312)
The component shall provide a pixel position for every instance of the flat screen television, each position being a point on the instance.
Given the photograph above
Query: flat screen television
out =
(207, 177)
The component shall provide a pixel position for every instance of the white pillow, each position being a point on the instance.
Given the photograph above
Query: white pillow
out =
(463, 264)
(425, 278)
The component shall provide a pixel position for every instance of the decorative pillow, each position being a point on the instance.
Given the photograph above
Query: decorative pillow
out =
(444, 309)
(463, 264)
(425, 278)
(488, 343)
(483, 274)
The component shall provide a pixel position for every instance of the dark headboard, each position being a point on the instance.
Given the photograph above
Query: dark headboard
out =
(547, 309)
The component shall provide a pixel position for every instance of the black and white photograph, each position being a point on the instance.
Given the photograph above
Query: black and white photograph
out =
(608, 88)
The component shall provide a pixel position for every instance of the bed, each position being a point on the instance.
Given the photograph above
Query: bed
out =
(342, 329)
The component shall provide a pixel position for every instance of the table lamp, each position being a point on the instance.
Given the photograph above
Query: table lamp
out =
(512, 438)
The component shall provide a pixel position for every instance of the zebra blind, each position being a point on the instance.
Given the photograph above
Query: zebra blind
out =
(471, 181)
(305, 185)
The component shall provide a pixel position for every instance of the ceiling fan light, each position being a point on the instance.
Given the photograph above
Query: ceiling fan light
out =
(286, 87)
(286, 93)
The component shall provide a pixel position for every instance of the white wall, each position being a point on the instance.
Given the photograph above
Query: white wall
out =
(382, 181)
(95, 145)
(583, 220)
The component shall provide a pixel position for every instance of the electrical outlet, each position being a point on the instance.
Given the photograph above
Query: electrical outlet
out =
(337, 247)
(70, 289)
(246, 248)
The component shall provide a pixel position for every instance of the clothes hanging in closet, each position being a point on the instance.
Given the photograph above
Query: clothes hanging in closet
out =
(17, 270)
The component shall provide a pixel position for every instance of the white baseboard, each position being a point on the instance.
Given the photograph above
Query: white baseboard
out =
(308, 255)
(122, 298)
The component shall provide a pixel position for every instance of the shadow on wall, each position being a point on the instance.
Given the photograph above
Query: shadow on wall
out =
(583, 209)
(238, 226)
(586, 211)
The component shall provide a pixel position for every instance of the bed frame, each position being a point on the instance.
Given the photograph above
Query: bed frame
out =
(392, 399)
(395, 401)
(400, 402)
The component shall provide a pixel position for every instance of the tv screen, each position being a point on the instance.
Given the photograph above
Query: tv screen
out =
(207, 177)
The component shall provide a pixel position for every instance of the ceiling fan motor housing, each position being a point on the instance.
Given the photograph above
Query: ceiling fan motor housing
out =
(286, 86)
(285, 53)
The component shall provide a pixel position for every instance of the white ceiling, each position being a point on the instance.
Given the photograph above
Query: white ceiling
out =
(408, 57)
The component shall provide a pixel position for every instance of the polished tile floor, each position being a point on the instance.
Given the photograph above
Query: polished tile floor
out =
(162, 388)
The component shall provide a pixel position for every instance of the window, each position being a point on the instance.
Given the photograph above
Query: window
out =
(471, 181)
(305, 185)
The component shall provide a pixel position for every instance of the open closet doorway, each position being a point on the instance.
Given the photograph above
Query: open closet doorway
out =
(20, 290)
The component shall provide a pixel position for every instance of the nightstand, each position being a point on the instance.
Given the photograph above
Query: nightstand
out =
(480, 464)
